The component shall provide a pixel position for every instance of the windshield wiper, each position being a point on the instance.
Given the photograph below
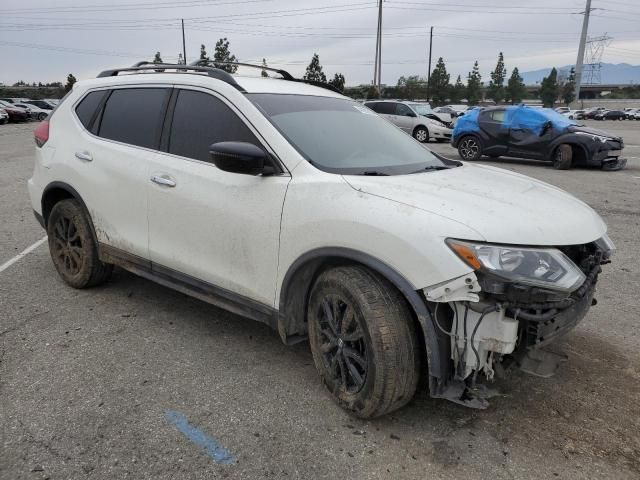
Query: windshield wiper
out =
(375, 173)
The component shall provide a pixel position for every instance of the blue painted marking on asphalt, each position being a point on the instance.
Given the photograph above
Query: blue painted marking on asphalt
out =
(218, 453)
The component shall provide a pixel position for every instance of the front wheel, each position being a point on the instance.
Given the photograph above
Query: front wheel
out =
(42, 116)
(363, 341)
(562, 157)
(72, 246)
(469, 148)
(421, 134)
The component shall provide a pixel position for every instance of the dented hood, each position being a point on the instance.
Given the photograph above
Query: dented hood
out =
(503, 207)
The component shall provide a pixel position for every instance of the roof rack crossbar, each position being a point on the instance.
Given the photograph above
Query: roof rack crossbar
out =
(161, 67)
(285, 75)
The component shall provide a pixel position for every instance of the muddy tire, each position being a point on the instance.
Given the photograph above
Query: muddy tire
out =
(562, 157)
(469, 148)
(421, 134)
(363, 341)
(73, 248)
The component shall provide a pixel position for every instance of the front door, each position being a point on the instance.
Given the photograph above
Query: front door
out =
(211, 225)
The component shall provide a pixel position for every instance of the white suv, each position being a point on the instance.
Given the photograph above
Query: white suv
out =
(295, 206)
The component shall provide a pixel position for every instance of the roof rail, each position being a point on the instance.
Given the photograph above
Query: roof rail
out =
(285, 75)
(161, 67)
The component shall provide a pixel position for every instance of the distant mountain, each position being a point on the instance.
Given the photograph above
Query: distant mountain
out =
(610, 73)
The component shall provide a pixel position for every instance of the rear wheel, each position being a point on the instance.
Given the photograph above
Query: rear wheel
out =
(469, 148)
(562, 157)
(363, 341)
(42, 116)
(421, 134)
(73, 249)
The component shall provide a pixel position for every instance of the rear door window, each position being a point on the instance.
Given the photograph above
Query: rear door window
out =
(87, 108)
(134, 116)
(200, 120)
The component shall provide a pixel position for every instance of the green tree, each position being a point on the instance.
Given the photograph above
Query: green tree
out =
(203, 53)
(222, 54)
(515, 90)
(496, 85)
(411, 87)
(157, 58)
(314, 70)
(474, 85)
(337, 82)
(549, 89)
(264, 72)
(457, 91)
(70, 81)
(569, 88)
(439, 83)
(372, 93)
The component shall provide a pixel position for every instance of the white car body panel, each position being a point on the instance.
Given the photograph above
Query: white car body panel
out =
(400, 220)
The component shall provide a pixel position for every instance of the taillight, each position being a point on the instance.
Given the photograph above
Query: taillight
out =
(41, 133)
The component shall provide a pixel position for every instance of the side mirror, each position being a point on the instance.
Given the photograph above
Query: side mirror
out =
(238, 157)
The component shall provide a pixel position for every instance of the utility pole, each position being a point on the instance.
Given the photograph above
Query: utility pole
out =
(184, 48)
(583, 41)
(375, 63)
(379, 46)
(429, 69)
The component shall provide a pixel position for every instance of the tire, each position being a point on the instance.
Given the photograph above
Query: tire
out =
(469, 148)
(367, 355)
(73, 248)
(421, 134)
(562, 157)
(42, 116)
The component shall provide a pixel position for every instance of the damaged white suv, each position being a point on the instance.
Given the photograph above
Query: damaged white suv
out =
(293, 205)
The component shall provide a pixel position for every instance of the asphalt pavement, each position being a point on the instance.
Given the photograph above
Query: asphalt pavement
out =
(133, 380)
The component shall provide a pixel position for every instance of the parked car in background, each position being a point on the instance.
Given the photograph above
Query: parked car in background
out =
(448, 110)
(459, 108)
(541, 134)
(590, 113)
(630, 113)
(416, 119)
(35, 112)
(43, 104)
(52, 101)
(4, 116)
(16, 114)
(573, 114)
(614, 115)
(562, 110)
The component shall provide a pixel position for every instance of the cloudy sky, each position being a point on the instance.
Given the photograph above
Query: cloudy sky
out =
(44, 40)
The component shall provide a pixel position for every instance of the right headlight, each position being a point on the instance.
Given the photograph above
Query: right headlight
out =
(542, 267)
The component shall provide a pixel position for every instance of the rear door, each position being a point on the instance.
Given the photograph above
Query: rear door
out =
(210, 225)
(111, 159)
(492, 123)
(528, 136)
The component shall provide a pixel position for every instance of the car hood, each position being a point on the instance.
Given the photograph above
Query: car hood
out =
(592, 131)
(501, 206)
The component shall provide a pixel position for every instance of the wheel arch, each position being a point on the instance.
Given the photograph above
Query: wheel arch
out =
(57, 191)
(301, 275)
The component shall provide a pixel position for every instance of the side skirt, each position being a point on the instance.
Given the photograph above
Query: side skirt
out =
(191, 286)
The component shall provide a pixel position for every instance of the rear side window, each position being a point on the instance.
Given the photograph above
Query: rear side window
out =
(87, 108)
(498, 115)
(199, 120)
(134, 116)
(386, 108)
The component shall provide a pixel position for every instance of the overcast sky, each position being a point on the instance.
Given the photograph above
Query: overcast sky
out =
(44, 40)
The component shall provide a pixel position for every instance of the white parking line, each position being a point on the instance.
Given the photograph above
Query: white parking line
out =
(24, 253)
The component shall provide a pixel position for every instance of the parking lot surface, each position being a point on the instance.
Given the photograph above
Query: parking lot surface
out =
(121, 381)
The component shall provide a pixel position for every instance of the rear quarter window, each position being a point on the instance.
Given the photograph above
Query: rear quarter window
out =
(88, 107)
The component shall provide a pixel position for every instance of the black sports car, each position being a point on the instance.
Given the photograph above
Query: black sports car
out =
(536, 133)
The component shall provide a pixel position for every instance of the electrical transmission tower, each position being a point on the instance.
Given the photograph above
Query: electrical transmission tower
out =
(593, 59)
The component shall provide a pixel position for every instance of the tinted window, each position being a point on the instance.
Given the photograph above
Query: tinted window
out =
(386, 108)
(134, 116)
(199, 120)
(373, 106)
(402, 109)
(88, 106)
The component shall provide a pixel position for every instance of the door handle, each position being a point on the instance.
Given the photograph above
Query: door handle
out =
(163, 180)
(84, 156)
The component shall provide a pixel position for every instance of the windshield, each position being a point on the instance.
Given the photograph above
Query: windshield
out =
(341, 136)
(421, 108)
